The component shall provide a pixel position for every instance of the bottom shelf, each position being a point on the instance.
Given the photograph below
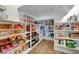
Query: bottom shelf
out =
(62, 50)
(28, 50)
(66, 50)
(15, 48)
(67, 46)
(76, 48)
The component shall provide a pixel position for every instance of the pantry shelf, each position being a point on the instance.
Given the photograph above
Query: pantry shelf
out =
(73, 22)
(10, 36)
(17, 47)
(8, 29)
(77, 48)
(32, 47)
(59, 48)
(67, 30)
(67, 35)
(67, 22)
(10, 22)
(65, 38)
(17, 36)
(13, 49)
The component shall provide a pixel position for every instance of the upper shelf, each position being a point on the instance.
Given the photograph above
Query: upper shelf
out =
(8, 29)
(67, 22)
(10, 22)
(66, 38)
(67, 30)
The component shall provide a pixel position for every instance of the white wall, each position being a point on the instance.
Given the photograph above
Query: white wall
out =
(12, 12)
(55, 17)
(74, 10)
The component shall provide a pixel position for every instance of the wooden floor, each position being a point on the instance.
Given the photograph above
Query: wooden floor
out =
(45, 47)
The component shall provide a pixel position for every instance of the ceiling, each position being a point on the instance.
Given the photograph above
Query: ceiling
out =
(50, 11)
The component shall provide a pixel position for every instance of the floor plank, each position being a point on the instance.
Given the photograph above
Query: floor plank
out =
(45, 47)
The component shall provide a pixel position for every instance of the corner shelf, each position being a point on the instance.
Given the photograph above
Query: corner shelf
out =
(31, 47)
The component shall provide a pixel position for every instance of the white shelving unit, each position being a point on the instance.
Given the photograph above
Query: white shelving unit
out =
(48, 29)
(62, 47)
(19, 46)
